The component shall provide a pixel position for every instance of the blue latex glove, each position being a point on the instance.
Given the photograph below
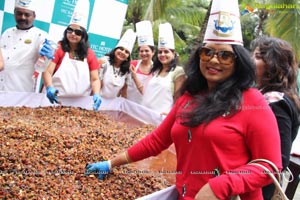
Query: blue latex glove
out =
(47, 50)
(97, 102)
(52, 94)
(100, 168)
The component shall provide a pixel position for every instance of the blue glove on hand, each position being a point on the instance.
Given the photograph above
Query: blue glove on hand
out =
(97, 102)
(100, 168)
(47, 50)
(52, 94)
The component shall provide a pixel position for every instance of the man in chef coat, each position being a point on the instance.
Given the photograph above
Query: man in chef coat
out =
(21, 47)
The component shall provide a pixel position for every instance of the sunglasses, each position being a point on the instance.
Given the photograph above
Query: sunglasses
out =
(77, 32)
(224, 57)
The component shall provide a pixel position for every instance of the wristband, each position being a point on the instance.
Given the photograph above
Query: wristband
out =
(109, 165)
(126, 157)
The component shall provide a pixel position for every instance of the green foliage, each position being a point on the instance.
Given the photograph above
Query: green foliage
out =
(248, 23)
(282, 19)
(285, 24)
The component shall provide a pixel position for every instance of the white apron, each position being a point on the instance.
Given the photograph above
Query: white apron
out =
(133, 93)
(112, 81)
(72, 78)
(158, 96)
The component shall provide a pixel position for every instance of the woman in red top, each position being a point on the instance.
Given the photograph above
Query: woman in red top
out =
(74, 69)
(218, 125)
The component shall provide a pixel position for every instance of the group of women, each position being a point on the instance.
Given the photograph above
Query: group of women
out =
(224, 109)
(151, 81)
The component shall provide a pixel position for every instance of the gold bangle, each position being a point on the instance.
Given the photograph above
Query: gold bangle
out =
(126, 157)
(140, 86)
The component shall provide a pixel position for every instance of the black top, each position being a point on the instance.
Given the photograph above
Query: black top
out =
(288, 123)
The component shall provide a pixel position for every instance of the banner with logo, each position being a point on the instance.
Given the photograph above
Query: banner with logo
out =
(105, 23)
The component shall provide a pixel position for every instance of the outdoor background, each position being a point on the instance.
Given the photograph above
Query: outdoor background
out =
(278, 18)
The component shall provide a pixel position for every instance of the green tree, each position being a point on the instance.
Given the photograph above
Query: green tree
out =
(284, 22)
(278, 18)
(135, 11)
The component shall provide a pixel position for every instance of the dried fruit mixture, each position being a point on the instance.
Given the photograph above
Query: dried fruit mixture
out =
(44, 151)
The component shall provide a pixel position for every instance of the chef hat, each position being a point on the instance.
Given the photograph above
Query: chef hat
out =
(144, 33)
(81, 13)
(128, 39)
(26, 4)
(165, 36)
(224, 26)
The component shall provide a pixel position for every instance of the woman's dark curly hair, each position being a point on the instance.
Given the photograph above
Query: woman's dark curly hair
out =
(281, 66)
(157, 65)
(82, 48)
(226, 97)
(124, 67)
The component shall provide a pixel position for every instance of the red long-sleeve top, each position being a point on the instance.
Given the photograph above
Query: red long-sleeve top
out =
(224, 145)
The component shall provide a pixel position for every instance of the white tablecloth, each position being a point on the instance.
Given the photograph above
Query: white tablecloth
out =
(169, 193)
(141, 113)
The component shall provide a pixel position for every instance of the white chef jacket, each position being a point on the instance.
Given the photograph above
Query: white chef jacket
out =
(20, 49)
